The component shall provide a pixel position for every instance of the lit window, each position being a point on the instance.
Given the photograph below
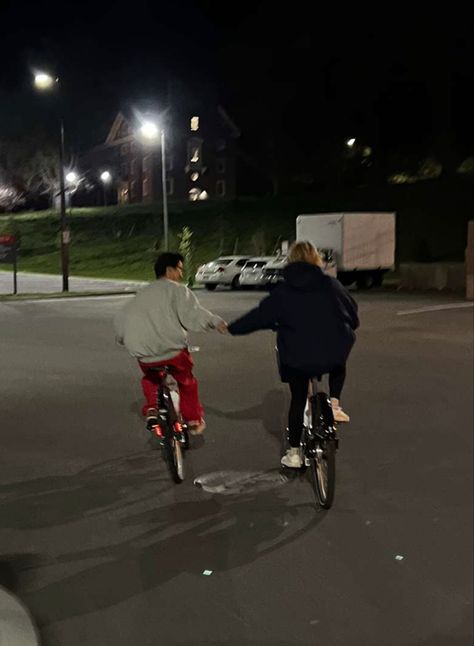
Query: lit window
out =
(133, 189)
(194, 194)
(220, 188)
(146, 187)
(194, 155)
(203, 195)
(194, 124)
(194, 177)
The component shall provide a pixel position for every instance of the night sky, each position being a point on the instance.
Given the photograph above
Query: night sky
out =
(398, 77)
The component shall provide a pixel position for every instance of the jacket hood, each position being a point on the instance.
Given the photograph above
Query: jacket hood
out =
(304, 277)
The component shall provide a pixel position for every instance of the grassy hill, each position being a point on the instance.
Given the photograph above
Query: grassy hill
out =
(121, 242)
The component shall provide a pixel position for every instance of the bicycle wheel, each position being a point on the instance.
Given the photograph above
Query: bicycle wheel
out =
(323, 473)
(173, 455)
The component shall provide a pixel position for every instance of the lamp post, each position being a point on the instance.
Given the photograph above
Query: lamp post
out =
(105, 178)
(45, 82)
(150, 132)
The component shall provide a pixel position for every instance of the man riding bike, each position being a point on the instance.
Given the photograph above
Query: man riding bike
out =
(153, 328)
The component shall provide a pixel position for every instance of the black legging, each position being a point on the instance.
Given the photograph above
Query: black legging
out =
(299, 392)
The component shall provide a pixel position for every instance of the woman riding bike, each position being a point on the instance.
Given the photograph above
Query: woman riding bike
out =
(315, 318)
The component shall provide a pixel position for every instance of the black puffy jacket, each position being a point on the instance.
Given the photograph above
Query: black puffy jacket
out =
(314, 317)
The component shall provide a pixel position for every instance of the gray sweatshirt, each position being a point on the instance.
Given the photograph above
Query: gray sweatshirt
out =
(153, 325)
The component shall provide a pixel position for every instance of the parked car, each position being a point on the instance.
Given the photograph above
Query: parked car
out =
(272, 273)
(223, 271)
(252, 271)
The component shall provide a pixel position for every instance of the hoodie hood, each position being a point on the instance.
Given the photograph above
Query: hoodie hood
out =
(304, 277)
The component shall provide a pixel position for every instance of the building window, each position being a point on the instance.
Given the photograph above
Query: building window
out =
(220, 188)
(220, 145)
(194, 151)
(170, 186)
(146, 187)
(124, 169)
(133, 189)
(134, 147)
(146, 163)
(133, 166)
(123, 194)
(124, 149)
(194, 124)
(194, 177)
(221, 165)
(196, 194)
(169, 162)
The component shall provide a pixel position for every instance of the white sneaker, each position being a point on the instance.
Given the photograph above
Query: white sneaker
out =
(292, 458)
(339, 414)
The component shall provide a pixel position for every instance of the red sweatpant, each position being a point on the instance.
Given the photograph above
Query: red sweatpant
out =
(181, 368)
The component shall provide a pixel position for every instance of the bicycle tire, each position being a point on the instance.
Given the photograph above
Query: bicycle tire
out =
(323, 473)
(173, 456)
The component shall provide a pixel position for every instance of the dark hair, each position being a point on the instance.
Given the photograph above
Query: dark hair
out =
(167, 259)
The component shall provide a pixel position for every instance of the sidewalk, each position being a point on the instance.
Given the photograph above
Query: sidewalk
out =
(16, 625)
(49, 283)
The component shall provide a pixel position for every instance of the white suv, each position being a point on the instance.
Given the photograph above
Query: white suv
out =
(223, 271)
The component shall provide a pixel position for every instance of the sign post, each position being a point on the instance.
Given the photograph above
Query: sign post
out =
(8, 255)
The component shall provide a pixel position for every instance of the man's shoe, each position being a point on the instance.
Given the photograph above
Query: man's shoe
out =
(292, 458)
(151, 418)
(339, 414)
(197, 428)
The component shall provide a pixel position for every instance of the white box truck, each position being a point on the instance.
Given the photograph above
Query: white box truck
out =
(362, 244)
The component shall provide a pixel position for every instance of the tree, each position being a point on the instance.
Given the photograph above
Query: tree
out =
(185, 248)
(10, 198)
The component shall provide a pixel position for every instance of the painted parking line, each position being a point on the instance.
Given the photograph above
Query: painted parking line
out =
(436, 308)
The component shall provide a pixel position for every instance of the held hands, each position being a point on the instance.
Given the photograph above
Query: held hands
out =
(222, 327)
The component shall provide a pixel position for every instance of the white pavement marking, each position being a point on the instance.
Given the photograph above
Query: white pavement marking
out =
(436, 308)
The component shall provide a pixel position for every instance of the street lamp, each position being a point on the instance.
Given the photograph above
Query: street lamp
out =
(45, 82)
(105, 178)
(71, 177)
(150, 133)
(350, 142)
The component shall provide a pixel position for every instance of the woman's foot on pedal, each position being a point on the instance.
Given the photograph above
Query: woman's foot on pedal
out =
(339, 414)
(292, 458)
(197, 428)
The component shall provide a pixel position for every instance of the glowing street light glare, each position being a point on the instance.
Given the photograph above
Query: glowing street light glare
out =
(71, 177)
(44, 81)
(149, 130)
(350, 142)
(106, 177)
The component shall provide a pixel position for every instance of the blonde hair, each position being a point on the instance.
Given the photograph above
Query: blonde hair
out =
(304, 251)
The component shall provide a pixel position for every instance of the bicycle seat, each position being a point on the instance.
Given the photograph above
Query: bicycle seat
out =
(164, 368)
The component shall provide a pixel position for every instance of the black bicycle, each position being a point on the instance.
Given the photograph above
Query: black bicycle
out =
(319, 445)
(170, 432)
